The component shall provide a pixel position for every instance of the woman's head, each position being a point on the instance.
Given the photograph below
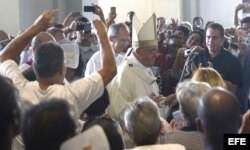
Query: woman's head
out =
(209, 75)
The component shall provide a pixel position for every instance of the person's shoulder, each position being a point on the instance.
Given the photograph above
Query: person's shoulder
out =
(227, 53)
(96, 55)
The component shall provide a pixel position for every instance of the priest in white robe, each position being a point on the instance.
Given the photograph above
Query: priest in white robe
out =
(135, 78)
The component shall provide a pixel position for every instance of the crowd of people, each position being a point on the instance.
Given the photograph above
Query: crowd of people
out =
(125, 82)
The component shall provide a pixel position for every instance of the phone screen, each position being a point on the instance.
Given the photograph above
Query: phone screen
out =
(89, 9)
(87, 27)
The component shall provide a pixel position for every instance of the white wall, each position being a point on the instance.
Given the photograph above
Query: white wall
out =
(143, 8)
(221, 11)
(19, 14)
(29, 10)
(9, 16)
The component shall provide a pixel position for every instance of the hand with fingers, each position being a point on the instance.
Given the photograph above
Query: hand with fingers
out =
(98, 10)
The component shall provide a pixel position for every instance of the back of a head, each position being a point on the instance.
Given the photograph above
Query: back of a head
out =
(209, 75)
(48, 59)
(219, 113)
(184, 29)
(245, 20)
(57, 33)
(188, 94)
(41, 38)
(142, 121)
(82, 19)
(111, 129)
(9, 110)
(47, 125)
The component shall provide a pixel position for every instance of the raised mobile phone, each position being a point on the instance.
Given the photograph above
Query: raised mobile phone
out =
(86, 27)
(113, 10)
(79, 27)
(89, 9)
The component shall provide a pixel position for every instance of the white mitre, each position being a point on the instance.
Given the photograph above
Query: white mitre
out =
(144, 35)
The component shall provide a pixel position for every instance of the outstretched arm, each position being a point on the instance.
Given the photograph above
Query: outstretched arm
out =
(15, 47)
(236, 18)
(108, 70)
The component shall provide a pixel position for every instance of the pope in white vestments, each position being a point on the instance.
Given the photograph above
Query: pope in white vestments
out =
(134, 78)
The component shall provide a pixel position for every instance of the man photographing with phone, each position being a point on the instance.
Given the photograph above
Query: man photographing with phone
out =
(85, 40)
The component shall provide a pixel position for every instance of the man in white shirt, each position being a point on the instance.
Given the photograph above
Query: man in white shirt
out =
(50, 70)
(118, 35)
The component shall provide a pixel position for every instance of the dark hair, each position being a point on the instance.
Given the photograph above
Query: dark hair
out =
(217, 26)
(99, 106)
(110, 127)
(200, 33)
(8, 104)
(245, 20)
(48, 59)
(197, 18)
(54, 30)
(185, 30)
(47, 125)
(82, 19)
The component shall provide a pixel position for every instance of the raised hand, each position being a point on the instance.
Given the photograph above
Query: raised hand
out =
(99, 26)
(45, 19)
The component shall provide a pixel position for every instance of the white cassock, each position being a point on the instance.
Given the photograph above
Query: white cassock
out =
(95, 62)
(133, 80)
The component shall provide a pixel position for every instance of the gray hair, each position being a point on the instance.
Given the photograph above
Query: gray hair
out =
(115, 28)
(188, 94)
(142, 121)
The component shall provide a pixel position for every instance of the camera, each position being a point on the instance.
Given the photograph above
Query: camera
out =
(89, 9)
(86, 27)
(113, 10)
(187, 52)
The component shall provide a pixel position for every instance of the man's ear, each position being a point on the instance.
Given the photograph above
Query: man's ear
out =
(62, 70)
(161, 129)
(138, 51)
(111, 38)
(198, 124)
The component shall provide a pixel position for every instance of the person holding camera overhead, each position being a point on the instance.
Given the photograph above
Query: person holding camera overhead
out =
(84, 38)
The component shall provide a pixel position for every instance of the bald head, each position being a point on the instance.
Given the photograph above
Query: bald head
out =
(42, 37)
(219, 113)
(219, 107)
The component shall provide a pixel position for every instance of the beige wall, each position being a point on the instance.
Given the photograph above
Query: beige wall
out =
(9, 16)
